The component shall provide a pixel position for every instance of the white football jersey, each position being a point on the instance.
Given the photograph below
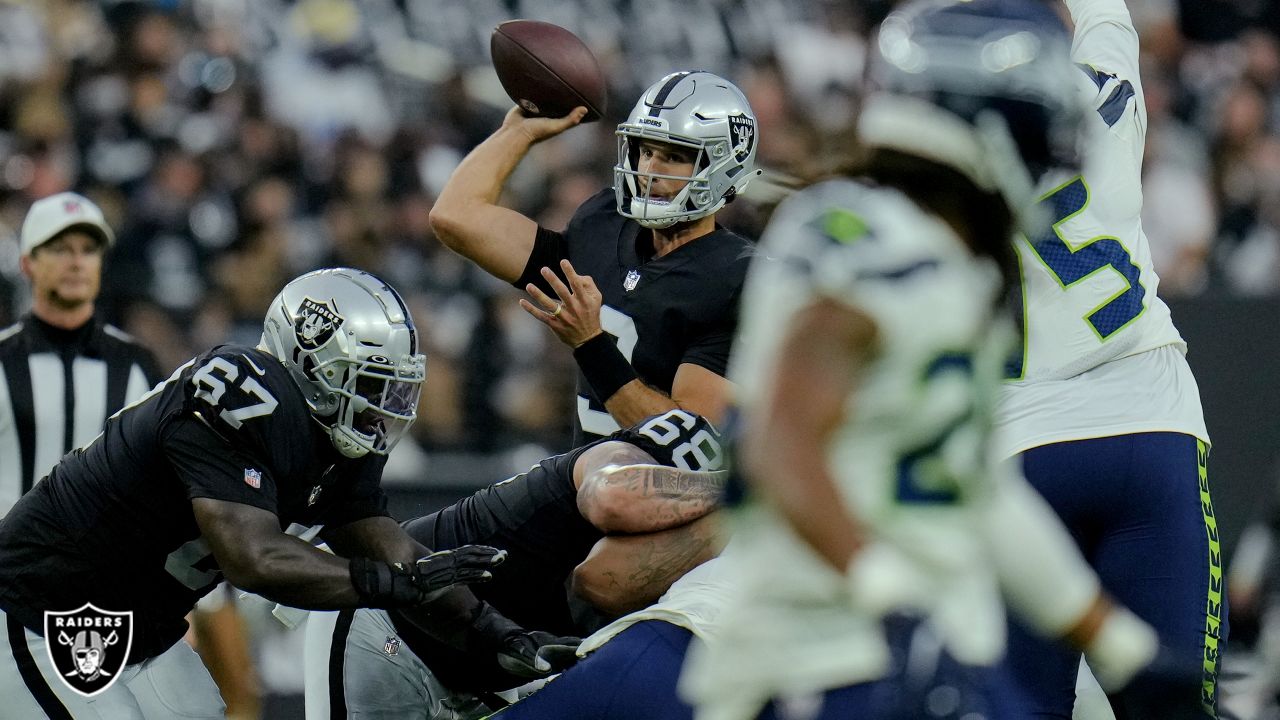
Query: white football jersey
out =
(911, 460)
(693, 602)
(1088, 284)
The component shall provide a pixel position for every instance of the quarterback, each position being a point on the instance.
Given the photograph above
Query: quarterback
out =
(643, 284)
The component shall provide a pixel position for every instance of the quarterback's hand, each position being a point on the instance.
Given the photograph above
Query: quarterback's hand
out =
(392, 585)
(538, 129)
(575, 316)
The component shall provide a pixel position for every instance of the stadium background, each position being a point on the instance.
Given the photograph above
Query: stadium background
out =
(237, 143)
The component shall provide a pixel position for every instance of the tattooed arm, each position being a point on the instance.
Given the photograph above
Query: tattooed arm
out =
(624, 573)
(621, 490)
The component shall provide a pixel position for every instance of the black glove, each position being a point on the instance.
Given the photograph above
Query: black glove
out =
(536, 654)
(392, 585)
(525, 654)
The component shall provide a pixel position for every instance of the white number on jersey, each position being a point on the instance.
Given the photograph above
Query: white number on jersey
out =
(210, 388)
(623, 329)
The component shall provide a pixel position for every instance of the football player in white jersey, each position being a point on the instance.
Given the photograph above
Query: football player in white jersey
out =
(1100, 403)
(871, 558)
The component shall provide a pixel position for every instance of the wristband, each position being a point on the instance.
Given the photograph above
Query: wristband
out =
(383, 585)
(603, 365)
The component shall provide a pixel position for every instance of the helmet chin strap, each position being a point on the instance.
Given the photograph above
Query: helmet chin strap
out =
(345, 441)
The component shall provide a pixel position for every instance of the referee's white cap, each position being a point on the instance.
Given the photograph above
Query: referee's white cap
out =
(54, 214)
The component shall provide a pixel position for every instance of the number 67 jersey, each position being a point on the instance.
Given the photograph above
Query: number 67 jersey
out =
(113, 525)
(1088, 302)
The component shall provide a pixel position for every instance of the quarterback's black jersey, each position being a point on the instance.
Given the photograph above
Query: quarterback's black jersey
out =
(534, 517)
(663, 311)
(113, 525)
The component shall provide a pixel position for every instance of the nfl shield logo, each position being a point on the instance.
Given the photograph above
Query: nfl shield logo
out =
(392, 645)
(252, 478)
(88, 646)
(632, 279)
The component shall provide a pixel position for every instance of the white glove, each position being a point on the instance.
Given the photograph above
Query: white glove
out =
(881, 579)
(1123, 646)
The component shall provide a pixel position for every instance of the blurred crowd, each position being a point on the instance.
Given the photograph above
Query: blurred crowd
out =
(238, 143)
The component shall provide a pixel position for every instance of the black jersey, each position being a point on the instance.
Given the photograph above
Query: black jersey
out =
(663, 311)
(534, 517)
(57, 387)
(113, 525)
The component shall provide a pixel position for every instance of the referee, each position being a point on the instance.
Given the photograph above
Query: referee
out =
(63, 371)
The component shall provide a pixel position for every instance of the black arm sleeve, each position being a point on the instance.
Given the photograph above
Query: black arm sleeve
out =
(549, 248)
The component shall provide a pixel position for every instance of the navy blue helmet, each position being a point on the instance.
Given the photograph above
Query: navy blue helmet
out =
(983, 86)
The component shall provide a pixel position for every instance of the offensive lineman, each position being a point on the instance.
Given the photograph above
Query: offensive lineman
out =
(647, 283)
(200, 479)
(650, 488)
(873, 555)
(1101, 404)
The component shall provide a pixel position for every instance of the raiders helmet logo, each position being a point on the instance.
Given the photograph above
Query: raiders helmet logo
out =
(316, 323)
(88, 646)
(743, 131)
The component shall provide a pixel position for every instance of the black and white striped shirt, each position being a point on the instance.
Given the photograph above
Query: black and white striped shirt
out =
(57, 388)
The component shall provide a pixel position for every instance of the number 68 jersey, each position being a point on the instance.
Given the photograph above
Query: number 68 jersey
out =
(113, 525)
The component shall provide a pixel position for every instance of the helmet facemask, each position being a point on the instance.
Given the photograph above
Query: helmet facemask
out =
(376, 401)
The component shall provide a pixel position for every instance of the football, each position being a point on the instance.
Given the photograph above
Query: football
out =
(546, 69)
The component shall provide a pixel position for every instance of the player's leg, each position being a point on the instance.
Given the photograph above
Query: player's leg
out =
(1164, 562)
(1067, 476)
(30, 687)
(357, 667)
(631, 677)
(176, 684)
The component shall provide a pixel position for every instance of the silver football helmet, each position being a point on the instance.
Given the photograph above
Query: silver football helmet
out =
(984, 86)
(347, 339)
(699, 111)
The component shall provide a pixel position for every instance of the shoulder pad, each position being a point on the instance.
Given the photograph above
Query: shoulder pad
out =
(237, 391)
(678, 438)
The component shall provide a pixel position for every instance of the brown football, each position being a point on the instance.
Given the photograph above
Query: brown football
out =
(546, 69)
